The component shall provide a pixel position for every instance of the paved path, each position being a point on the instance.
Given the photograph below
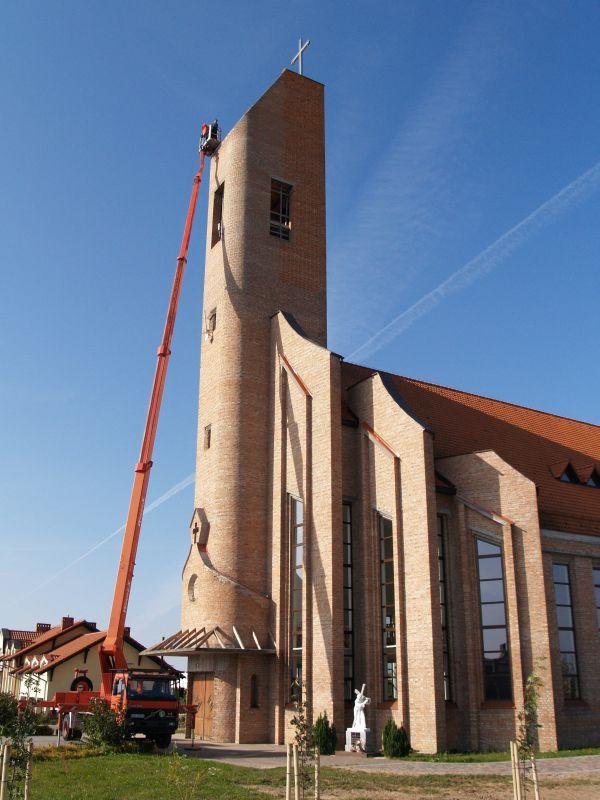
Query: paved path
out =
(265, 756)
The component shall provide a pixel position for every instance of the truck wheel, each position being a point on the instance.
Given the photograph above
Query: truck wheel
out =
(67, 730)
(162, 741)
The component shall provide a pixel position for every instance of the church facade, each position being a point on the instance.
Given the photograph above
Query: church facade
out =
(353, 526)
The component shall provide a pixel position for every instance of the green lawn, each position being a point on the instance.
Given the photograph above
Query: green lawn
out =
(131, 776)
(72, 773)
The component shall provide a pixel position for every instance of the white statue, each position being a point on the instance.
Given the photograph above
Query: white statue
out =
(360, 723)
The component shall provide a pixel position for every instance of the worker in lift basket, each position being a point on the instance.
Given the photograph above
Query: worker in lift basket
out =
(209, 138)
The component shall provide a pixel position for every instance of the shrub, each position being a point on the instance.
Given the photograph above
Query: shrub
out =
(43, 730)
(396, 743)
(324, 735)
(103, 726)
(8, 714)
(529, 726)
(18, 728)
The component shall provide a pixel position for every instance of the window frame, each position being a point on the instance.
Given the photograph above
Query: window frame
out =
(567, 676)
(348, 569)
(387, 650)
(254, 691)
(280, 220)
(489, 540)
(593, 482)
(445, 606)
(296, 653)
(596, 579)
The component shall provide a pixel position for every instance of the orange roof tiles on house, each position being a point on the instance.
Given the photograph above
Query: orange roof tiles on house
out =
(72, 648)
(50, 634)
(27, 637)
(75, 646)
(535, 442)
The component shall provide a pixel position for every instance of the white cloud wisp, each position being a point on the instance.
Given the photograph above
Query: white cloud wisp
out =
(486, 261)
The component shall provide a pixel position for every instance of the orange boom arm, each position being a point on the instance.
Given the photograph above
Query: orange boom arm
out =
(111, 652)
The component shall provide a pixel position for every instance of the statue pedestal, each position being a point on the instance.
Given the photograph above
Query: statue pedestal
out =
(358, 740)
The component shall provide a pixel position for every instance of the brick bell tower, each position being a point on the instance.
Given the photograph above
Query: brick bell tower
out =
(265, 251)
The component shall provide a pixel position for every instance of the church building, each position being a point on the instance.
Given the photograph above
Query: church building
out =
(355, 526)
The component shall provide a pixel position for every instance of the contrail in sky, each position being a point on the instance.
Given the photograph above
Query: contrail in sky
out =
(178, 487)
(486, 261)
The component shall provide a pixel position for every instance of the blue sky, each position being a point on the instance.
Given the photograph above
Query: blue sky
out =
(457, 137)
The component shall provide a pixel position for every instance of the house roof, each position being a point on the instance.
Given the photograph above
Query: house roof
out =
(535, 442)
(72, 648)
(26, 637)
(75, 646)
(50, 634)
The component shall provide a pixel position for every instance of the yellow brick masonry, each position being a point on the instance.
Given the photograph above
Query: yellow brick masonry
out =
(307, 464)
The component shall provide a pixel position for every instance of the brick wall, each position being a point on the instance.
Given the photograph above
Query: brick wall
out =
(307, 463)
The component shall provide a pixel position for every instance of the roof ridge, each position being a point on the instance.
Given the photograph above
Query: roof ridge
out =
(494, 399)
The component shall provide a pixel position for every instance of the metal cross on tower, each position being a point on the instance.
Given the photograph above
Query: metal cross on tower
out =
(298, 56)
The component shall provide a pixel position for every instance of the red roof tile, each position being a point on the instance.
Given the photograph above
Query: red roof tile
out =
(27, 637)
(535, 442)
(78, 645)
(48, 635)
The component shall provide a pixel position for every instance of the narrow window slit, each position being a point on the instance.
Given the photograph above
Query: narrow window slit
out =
(217, 215)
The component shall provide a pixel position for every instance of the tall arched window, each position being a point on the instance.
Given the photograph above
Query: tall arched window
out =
(388, 606)
(443, 582)
(296, 582)
(348, 612)
(253, 691)
(494, 628)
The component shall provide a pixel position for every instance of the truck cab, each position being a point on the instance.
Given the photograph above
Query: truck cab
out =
(150, 702)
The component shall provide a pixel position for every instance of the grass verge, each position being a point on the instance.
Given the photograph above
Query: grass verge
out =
(128, 776)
